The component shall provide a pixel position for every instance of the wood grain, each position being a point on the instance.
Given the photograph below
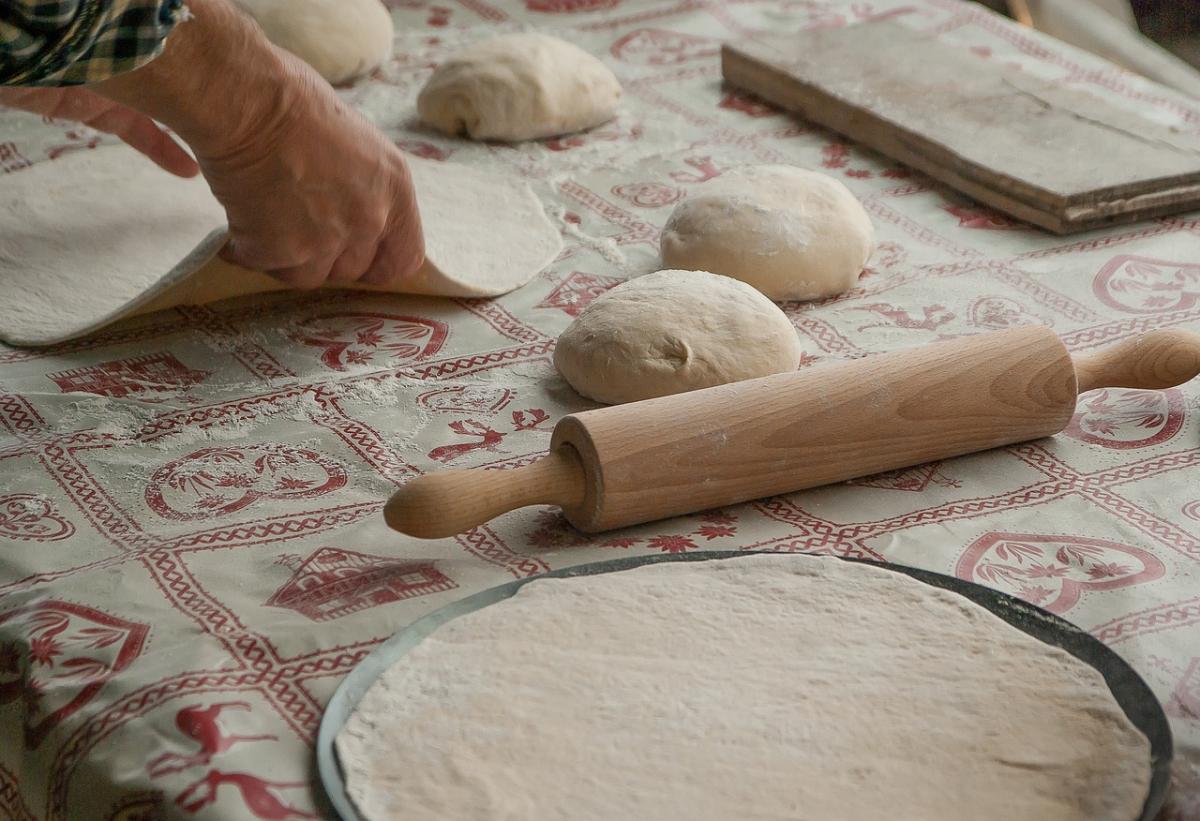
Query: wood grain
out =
(1152, 361)
(1053, 156)
(710, 448)
(453, 501)
(678, 454)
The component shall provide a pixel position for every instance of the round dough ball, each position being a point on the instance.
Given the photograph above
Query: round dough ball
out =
(791, 233)
(519, 87)
(674, 331)
(340, 39)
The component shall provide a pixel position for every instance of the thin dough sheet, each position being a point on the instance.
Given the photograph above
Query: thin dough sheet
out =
(102, 235)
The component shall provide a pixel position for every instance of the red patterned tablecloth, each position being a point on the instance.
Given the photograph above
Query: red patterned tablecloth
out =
(191, 549)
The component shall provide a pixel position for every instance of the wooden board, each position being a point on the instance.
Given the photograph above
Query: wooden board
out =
(1055, 157)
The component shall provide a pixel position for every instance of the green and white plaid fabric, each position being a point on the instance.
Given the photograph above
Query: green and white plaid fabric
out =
(72, 42)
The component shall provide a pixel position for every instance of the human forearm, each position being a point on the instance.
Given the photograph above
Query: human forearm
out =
(217, 61)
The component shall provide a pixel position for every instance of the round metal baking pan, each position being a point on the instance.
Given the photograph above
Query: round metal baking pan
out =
(1128, 688)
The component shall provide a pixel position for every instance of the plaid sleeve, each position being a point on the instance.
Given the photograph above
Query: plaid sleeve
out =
(71, 42)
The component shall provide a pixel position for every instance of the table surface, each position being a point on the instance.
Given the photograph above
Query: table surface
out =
(192, 554)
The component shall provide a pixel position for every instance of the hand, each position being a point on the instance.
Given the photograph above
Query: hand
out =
(312, 191)
(315, 192)
(80, 105)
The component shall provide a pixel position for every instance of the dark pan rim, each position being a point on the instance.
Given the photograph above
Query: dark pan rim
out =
(1128, 688)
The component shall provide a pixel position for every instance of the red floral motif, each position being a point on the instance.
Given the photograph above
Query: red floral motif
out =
(155, 373)
(577, 291)
(466, 399)
(420, 148)
(672, 544)
(659, 47)
(332, 583)
(982, 218)
(1124, 419)
(362, 338)
(914, 479)
(1052, 571)
(439, 16)
(648, 194)
(746, 104)
(569, 6)
(998, 313)
(1141, 285)
(32, 518)
(552, 530)
(11, 159)
(72, 651)
(711, 532)
(837, 156)
(220, 481)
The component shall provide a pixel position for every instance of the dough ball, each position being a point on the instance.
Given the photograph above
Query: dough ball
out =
(519, 87)
(791, 233)
(674, 331)
(340, 39)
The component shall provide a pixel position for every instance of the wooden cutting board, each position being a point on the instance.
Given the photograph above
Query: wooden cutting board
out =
(1056, 157)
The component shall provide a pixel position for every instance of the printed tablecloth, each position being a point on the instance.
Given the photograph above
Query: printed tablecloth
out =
(192, 554)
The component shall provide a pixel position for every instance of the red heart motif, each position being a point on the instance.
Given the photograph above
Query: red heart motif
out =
(1141, 285)
(32, 518)
(56, 656)
(466, 399)
(365, 338)
(577, 291)
(1052, 571)
(1124, 419)
(219, 481)
(998, 313)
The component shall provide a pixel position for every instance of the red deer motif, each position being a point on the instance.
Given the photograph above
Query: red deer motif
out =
(261, 797)
(200, 723)
(489, 440)
(935, 317)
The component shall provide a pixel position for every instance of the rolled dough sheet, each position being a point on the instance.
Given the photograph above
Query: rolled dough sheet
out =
(765, 687)
(101, 235)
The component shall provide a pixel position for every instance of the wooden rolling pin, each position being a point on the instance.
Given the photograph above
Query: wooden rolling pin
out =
(634, 463)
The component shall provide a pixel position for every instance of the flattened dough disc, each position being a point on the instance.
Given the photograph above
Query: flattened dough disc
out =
(102, 235)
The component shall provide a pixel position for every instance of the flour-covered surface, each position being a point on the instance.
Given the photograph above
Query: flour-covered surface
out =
(191, 547)
(888, 698)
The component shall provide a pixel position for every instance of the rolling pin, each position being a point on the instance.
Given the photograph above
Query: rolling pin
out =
(678, 454)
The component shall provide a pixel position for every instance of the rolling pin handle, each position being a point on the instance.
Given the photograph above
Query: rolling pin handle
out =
(450, 502)
(1152, 361)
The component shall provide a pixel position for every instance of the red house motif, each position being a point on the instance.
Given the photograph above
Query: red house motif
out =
(153, 373)
(332, 583)
(577, 291)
